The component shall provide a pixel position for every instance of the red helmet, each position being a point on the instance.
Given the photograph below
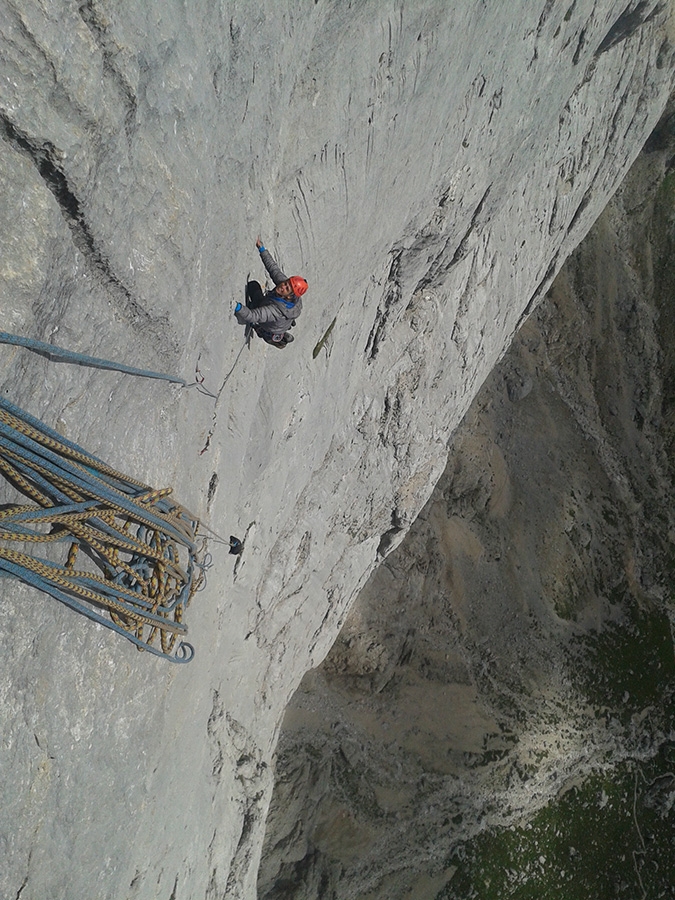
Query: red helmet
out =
(298, 284)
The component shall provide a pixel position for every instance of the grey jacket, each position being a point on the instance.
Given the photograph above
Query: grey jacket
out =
(276, 315)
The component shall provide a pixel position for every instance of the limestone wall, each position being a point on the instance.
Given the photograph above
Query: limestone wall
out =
(427, 167)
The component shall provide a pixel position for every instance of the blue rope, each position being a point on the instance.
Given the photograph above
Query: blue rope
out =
(40, 426)
(82, 359)
(77, 475)
(143, 586)
(184, 653)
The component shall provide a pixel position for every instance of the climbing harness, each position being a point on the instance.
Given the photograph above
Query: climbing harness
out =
(131, 549)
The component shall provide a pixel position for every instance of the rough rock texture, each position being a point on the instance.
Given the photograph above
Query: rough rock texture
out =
(427, 167)
(520, 636)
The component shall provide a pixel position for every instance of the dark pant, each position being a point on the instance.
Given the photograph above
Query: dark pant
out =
(255, 295)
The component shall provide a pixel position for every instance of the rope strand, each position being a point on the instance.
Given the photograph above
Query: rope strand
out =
(139, 543)
(81, 358)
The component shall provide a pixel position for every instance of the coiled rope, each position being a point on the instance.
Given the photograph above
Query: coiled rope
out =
(131, 550)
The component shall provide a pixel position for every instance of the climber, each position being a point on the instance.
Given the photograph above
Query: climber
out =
(271, 313)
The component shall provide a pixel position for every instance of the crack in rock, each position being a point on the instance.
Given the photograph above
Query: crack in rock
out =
(627, 24)
(45, 156)
(94, 19)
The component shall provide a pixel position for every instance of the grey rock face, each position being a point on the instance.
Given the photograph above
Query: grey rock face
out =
(427, 167)
(520, 637)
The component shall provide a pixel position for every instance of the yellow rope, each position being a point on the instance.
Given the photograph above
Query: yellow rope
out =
(60, 578)
(40, 437)
(135, 538)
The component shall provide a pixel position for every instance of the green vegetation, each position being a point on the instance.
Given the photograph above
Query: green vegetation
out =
(629, 668)
(568, 606)
(611, 838)
(663, 241)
